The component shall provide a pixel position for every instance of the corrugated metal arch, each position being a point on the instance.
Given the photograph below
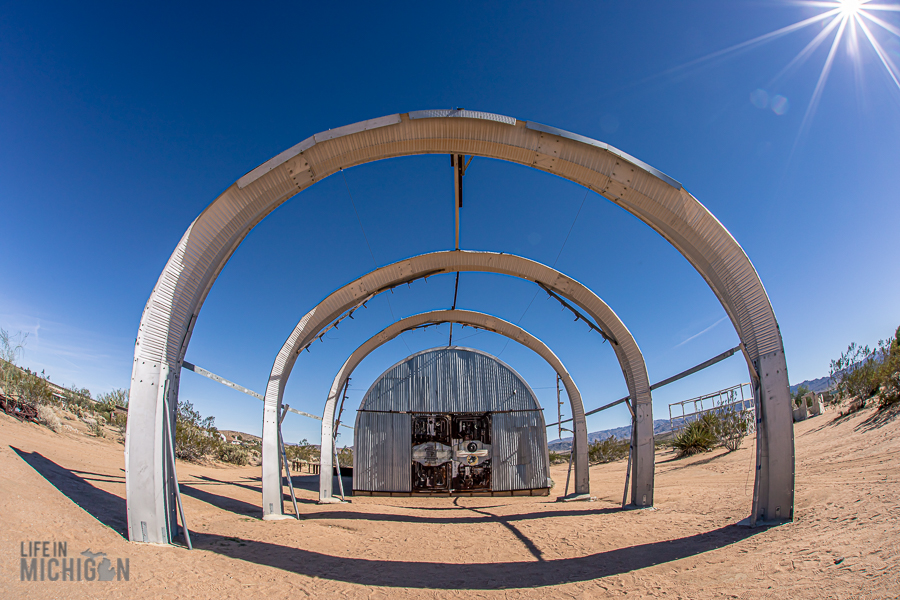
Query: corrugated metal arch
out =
(467, 317)
(653, 197)
(353, 294)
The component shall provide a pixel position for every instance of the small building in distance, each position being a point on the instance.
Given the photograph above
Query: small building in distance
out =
(450, 421)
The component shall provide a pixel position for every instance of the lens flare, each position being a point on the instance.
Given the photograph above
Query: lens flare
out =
(850, 25)
(850, 7)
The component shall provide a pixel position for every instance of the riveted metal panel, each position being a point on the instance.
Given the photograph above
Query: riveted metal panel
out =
(519, 456)
(357, 127)
(275, 161)
(382, 453)
(467, 114)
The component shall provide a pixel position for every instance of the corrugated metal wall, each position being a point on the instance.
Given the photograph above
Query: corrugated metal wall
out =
(382, 454)
(449, 380)
(519, 451)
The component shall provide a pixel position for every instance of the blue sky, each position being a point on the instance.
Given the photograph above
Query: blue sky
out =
(120, 123)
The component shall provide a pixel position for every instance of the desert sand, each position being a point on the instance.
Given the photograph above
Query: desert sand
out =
(843, 543)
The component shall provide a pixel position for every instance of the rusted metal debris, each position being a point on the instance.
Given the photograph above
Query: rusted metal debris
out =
(24, 411)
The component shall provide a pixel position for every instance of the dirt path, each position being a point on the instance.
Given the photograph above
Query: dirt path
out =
(844, 542)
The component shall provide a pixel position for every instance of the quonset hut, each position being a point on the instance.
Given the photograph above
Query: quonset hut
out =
(450, 421)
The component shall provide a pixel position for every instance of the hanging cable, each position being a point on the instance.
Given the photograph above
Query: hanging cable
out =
(565, 241)
(369, 246)
(356, 212)
(455, 295)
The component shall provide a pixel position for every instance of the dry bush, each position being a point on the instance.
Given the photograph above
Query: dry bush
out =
(47, 416)
(95, 428)
(733, 426)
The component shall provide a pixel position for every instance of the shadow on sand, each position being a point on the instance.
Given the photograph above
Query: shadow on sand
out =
(479, 576)
(109, 509)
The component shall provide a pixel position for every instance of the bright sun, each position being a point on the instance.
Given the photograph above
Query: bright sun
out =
(850, 7)
(848, 22)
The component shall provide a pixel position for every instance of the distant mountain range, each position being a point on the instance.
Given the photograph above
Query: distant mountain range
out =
(814, 385)
(659, 426)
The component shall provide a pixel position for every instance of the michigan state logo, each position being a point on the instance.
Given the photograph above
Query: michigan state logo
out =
(49, 561)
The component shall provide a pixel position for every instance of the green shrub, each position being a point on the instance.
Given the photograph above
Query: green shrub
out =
(799, 394)
(887, 376)
(345, 457)
(608, 450)
(234, 454)
(854, 373)
(695, 438)
(303, 451)
(195, 437)
(557, 458)
(862, 373)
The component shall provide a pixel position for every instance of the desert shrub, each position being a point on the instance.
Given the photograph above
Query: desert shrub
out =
(345, 457)
(733, 426)
(799, 394)
(663, 440)
(696, 437)
(887, 376)
(234, 454)
(303, 451)
(16, 382)
(95, 427)
(557, 458)
(712, 422)
(862, 373)
(117, 397)
(854, 373)
(47, 416)
(195, 437)
(608, 450)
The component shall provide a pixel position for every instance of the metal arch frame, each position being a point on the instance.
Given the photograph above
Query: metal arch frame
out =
(355, 293)
(466, 317)
(658, 200)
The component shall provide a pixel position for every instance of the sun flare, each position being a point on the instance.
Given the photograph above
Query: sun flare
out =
(850, 7)
(847, 23)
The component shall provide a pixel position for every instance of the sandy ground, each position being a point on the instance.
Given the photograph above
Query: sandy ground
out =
(844, 542)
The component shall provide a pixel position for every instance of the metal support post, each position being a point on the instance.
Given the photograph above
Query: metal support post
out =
(458, 162)
(337, 462)
(630, 455)
(169, 438)
(285, 461)
(571, 459)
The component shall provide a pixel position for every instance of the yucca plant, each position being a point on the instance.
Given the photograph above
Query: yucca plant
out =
(695, 438)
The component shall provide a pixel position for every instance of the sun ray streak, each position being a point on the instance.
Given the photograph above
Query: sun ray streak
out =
(753, 42)
(807, 51)
(820, 84)
(882, 23)
(885, 60)
(816, 3)
(891, 7)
